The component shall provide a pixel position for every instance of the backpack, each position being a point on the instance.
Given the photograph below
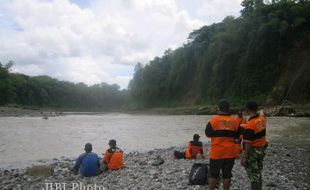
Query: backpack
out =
(199, 174)
(179, 155)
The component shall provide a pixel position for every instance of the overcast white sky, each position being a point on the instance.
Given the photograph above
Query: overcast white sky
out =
(95, 41)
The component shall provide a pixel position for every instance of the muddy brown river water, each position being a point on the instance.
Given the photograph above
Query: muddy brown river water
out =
(33, 138)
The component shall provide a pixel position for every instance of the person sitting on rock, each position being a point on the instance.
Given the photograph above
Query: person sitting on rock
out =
(88, 163)
(194, 150)
(113, 157)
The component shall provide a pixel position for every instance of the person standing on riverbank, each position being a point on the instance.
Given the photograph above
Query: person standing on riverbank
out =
(255, 145)
(223, 131)
(88, 163)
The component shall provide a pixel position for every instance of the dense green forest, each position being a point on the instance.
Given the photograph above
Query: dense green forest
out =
(263, 54)
(44, 91)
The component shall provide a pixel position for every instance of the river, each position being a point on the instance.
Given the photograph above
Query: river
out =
(33, 138)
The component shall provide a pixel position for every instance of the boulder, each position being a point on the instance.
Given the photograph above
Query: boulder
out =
(40, 171)
(158, 161)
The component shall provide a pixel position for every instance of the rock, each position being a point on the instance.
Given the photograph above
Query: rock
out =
(142, 163)
(271, 184)
(40, 170)
(68, 159)
(158, 161)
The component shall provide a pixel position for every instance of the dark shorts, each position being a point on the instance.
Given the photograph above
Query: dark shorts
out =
(224, 165)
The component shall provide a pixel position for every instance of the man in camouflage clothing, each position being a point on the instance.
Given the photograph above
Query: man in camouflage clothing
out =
(255, 145)
(254, 164)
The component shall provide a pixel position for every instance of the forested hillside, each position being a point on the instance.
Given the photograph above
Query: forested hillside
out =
(46, 92)
(264, 54)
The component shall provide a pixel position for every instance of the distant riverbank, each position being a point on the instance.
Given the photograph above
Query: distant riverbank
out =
(279, 110)
(285, 168)
(18, 111)
(294, 110)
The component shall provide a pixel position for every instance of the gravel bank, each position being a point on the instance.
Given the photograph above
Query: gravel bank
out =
(16, 111)
(285, 168)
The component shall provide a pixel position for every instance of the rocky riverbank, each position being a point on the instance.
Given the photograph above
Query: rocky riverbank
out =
(277, 110)
(285, 168)
(17, 111)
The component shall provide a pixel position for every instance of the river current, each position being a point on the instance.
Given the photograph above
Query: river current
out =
(33, 138)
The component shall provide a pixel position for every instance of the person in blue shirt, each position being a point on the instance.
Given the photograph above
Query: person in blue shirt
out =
(88, 163)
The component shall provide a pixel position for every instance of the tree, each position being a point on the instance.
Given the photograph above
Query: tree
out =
(6, 88)
(239, 58)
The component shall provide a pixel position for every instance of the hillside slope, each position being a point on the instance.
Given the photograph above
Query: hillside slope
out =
(261, 55)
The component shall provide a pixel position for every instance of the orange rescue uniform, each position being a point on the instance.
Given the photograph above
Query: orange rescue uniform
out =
(241, 120)
(113, 158)
(223, 130)
(255, 131)
(194, 149)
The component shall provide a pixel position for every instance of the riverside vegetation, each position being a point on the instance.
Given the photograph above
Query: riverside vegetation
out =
(263, 55)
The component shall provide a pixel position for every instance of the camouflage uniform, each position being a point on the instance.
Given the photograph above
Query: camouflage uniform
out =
(254, 165)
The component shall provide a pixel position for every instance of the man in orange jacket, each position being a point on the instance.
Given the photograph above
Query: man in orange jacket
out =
(113, 157)
(223, 130)
(194, 148)
(255, 145)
